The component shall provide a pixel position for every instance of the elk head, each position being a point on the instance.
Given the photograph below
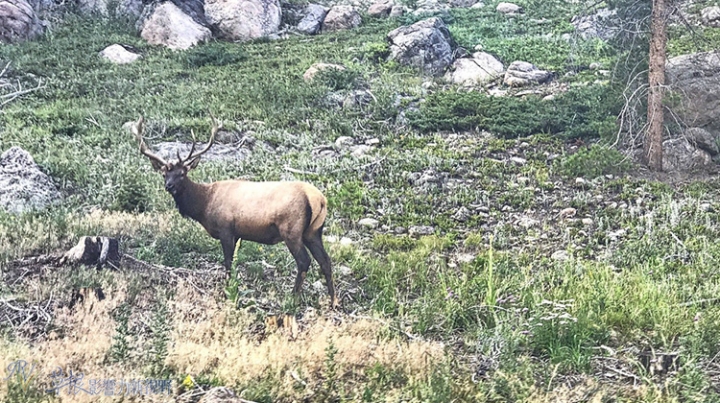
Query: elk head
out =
(175, 174)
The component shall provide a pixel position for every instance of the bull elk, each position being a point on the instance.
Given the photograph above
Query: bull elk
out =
(262, 212)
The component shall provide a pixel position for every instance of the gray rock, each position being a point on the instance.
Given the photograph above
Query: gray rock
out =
(18, 22)
(462, 214)
(23, 186)
(426, 44)
(428, 176)
(118, 54)
(520, 74)
(344, 142)
(702, 139)
(560, 256)
(479, 69)
(357, 98)
(711, 16)
(244, 20)
(397, 11)
(421, 230)
(313, 19)
(693, 80)
(380, 10)
(462, 3)
(341, 17)
(598, 25)
(680, 156)
(167, 25)
(369, 223)
(508, 8)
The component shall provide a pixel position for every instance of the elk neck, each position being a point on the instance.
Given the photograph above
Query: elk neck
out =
(192, 200)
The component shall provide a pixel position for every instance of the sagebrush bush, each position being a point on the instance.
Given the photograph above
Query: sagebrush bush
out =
(587, 111)
(593, 161)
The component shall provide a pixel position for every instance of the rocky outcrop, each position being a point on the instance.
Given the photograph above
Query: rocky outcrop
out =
(476, 70)
(380, 9)
(313, 19)
(426, 45)
(244, 20)
(679, 156)
(18, 22)
(341, 17)
(520, 74)
(693, 80)
(167, 25)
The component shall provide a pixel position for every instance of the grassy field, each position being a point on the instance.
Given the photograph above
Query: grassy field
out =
(551, 271)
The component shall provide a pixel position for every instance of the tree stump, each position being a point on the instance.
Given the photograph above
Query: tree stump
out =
(90, 250)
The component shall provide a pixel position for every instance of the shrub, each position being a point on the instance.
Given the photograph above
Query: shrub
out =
(336, 79)
(581, 112)
(594, 161)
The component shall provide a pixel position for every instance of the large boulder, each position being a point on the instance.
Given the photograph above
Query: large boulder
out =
(477, 70)
(426, 44)
(679, 155)
(167, 25)
(380, 9)
(23, 186)
(18, 21)
(313, 19)
(244, 20)
(693, 80)
(703, 140)
(341, 17)
(520, 74)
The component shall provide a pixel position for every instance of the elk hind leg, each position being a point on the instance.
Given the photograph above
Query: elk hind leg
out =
(315, 244)
(302, 259)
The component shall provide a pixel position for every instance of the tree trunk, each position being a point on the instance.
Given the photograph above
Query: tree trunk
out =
(656, 81)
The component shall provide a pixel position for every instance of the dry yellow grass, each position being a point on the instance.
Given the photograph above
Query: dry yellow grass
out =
(212, 338)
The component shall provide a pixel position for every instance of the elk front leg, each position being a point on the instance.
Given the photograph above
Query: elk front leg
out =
(228, 246)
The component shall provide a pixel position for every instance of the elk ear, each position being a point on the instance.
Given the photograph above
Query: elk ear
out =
(193, 164)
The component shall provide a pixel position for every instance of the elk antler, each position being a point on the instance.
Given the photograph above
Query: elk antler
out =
(156, 161)
(192, 159)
